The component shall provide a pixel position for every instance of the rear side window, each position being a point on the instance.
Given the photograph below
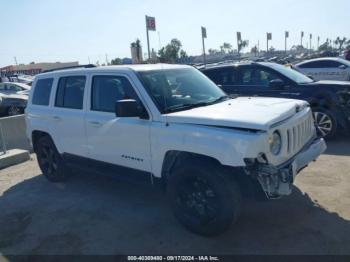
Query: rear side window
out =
(106, 90)
(321, 64)
(222, 76)
(42, 92)
(70, 92)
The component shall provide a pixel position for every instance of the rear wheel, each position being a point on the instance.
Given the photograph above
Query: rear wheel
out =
(50, 161)
(203, 199)
(326, 122)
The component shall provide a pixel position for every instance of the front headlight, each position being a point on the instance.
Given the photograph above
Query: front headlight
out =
(275, 142)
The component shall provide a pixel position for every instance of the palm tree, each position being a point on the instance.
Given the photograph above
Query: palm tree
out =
(340, 41)
(242, 44)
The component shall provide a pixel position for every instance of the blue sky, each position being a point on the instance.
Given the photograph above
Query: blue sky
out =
(73, 30)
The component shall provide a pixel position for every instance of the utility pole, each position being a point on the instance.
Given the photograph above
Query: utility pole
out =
(258, 48)
(204, 35)
(268, 37)
(239, 39)
(107, 60)
(310, 42)
(159, 42)
(15, 60)
(286, 35)
(318, 42)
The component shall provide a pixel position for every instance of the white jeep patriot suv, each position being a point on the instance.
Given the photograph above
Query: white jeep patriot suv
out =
(171, 124)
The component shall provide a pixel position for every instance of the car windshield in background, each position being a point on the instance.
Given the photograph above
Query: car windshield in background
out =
(290, 73)
(181, 89)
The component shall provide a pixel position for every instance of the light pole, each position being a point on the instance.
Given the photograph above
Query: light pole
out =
(301, 38)
(310, 43)
(286, 35)
(204, 35)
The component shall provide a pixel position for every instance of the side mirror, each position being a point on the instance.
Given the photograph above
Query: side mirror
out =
(129, 108)
(277, 84)
(342, 67)
(311, 77)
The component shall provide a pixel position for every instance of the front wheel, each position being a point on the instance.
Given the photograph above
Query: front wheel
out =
(14, 110)
(326, 122)
(203, 199)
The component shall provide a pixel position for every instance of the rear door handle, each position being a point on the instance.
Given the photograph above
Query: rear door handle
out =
(95, 123)
(57, 118)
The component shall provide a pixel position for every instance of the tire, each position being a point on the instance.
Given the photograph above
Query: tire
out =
(50, 161)
(202, 198)
(326, 122)
(14, 110)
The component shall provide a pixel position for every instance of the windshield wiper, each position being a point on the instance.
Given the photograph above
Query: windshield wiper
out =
(190, 106)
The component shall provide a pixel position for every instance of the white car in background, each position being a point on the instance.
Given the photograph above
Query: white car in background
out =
(327, 68)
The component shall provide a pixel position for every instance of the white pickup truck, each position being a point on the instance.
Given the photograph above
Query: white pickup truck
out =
(171, 124)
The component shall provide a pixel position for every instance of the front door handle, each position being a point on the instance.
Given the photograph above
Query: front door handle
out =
(95, 123)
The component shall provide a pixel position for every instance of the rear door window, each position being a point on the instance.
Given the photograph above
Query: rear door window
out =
(42, 91)
(70, 92)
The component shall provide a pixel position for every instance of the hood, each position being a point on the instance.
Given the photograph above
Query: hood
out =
(256, 113)
(333, 83)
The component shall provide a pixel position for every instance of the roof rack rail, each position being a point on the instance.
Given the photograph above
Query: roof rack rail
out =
(71, 67)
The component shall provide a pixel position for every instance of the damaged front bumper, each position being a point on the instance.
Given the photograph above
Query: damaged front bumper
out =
(277, 181)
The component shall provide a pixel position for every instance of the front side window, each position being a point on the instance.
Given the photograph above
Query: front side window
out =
(107, 90)
(289, 73)
(70, 92)
(42, 92)
(14, 88)
(180, 89)
(258, 77)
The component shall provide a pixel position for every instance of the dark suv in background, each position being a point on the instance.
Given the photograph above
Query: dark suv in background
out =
(329, 100)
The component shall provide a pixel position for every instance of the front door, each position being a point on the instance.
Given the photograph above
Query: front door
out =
(120, 141)
(256, 81)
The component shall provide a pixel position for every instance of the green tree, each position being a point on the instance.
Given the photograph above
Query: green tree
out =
(254, 50)
(116, 61)
(242, 44)
(340, 41)
(171, 52)
(325, 46)
(226, 48)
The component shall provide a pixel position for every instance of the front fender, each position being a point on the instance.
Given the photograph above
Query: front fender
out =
(226, 145)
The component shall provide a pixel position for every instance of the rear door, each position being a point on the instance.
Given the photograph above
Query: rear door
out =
(67, 116)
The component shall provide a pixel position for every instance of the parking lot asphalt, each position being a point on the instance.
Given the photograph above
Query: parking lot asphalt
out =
(100, 215)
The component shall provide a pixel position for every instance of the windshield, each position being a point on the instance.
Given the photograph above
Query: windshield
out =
(180, 89)
(289, 73)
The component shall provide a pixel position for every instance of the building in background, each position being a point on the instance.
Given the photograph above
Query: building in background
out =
(136, 52)
(34, 68)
